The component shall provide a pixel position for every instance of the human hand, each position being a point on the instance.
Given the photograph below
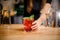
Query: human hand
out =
(44, 11)
(36, 25)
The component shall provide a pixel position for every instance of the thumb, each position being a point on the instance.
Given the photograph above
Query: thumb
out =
(34, 22)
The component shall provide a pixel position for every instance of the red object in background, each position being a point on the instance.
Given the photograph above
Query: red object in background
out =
(27, 24)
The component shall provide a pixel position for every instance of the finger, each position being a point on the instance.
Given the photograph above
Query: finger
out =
(34, 22)
(33, 26)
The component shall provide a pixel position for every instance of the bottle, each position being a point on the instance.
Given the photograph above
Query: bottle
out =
(56, 9)
(6, 17)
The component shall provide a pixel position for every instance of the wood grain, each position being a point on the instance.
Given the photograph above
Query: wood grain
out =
(16, 32)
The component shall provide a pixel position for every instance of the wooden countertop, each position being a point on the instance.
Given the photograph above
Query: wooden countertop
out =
(16, 32)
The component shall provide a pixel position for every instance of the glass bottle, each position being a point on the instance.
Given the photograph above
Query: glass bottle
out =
(56, 12)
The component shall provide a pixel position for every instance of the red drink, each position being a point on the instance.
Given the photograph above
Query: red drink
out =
(27, 23)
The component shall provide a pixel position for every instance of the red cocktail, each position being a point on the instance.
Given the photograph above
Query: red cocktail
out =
(27, 21)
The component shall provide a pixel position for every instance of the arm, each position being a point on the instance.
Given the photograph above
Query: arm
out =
(44, 11)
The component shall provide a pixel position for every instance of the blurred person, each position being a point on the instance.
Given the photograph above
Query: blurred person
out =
(42, 13)
(28, 7)
(39, 8)
(33, 7)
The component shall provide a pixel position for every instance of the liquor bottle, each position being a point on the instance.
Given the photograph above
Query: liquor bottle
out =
(6, 17)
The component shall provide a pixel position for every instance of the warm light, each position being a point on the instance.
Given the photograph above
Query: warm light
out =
(58, 14)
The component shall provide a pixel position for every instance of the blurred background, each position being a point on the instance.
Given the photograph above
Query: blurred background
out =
(12, 11)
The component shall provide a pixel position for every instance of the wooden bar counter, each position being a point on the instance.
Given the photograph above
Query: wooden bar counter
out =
(16, 32)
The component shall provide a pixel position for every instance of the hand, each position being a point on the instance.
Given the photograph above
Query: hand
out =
(36, 24)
